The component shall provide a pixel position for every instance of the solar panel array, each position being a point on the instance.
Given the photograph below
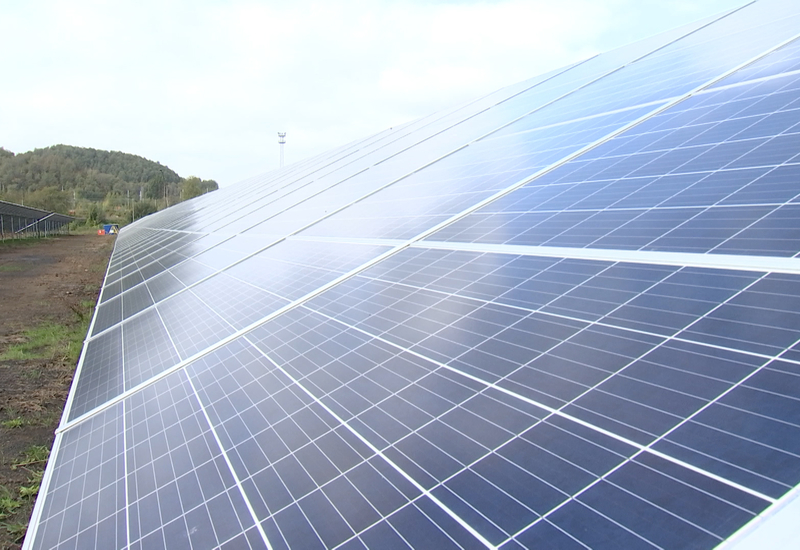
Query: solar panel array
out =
(18, 219)
(564, 315)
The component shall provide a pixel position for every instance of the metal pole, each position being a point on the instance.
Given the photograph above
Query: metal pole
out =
(282, 142)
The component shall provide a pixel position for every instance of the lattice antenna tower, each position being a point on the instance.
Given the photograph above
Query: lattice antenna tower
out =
(282, 142)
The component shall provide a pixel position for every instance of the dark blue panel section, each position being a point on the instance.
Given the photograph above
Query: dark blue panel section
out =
(84, 505)
(294, 458)
(762, 318)
(239, 302)
(147, 349)
(640, 516)
(191, 324)
(175, 467)
(109, 313)
(100, 377)
(725, 147)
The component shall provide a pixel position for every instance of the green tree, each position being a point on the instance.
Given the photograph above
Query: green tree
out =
(155, 187)
(96, 215)
(49, 198)
(191, 187)
(142, 209)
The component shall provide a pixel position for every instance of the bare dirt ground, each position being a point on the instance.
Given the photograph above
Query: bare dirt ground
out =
(50, 282)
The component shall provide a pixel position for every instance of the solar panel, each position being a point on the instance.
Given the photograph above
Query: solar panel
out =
(16, 219)
(563, 315)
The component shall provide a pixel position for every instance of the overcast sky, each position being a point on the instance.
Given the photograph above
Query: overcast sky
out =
(203, 86)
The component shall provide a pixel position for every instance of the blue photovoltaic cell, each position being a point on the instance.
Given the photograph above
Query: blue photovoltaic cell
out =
(677, 182)
(563, 315)
(181, 493)
(147, 349)
(86, 493)
(100, 376)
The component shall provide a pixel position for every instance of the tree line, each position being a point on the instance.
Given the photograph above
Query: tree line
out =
(95, 185)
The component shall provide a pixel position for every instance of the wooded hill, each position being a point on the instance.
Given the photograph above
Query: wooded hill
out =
(93, 184)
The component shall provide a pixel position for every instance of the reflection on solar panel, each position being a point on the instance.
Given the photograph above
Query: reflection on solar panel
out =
(564, 315)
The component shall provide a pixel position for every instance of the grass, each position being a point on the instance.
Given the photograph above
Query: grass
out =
(51, 340)
(35, 454)
(13, 423)
(22, 242)
(8, 504)
(16, 530)
(48, 340)
(8, 268)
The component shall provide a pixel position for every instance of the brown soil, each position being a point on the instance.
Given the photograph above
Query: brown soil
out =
(41, 281)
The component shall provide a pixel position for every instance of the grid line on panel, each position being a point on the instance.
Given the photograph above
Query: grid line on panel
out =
(125, 469)
(750, 527)
(618, 189)
(604, 139)
(753, 223)
(134, 264)
(603, 478)
(182, 261)
(176, 470)
(678, 259)
(378, 452)
(701, 210)
(648, 447)
(438, 418)
(311, 441)
(231, 337)
(558, 412)
(215, 272)
(187, 287)
(597, 323)
(125, 440)
(227, 459)
(82, 484)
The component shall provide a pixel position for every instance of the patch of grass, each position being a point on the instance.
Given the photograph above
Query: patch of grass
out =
(35, 454)
(8, 504)
(9, 268)
(35, 480)
(13, 423)
(23, 242)
(40, 342)
(15, 530)
(52, 340)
